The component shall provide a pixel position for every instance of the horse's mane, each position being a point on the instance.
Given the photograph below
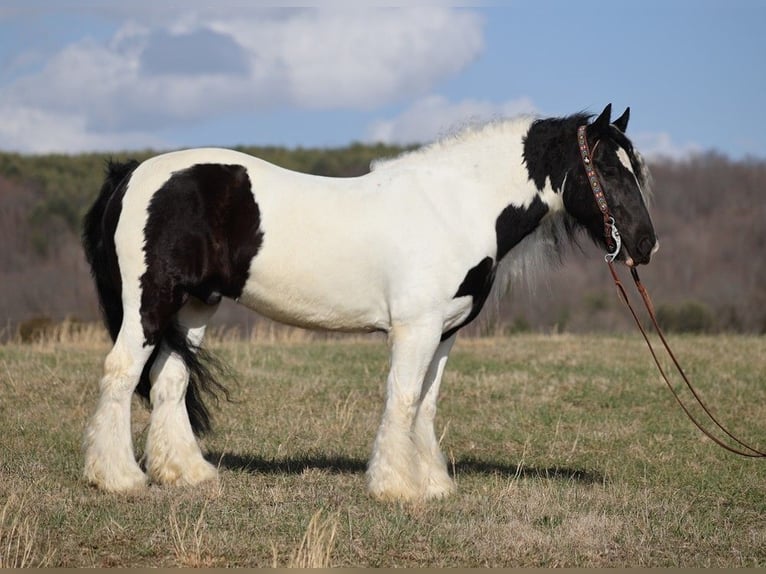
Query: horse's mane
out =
(461, 135)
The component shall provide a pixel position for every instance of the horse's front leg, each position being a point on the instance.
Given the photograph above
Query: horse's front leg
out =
(395, 471)
(433, 464)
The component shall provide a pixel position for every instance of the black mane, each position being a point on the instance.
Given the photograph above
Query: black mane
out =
(550, 150)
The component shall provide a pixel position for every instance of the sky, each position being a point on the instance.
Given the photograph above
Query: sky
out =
(102, 75)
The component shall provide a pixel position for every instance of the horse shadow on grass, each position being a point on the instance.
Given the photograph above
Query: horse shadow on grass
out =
(339, 464)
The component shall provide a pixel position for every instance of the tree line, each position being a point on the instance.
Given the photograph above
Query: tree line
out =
(708, 276)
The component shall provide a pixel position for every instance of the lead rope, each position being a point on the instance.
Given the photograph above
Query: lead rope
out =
(614, 243)
(748, 451)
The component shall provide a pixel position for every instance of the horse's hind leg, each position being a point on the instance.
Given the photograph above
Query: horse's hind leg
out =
(172, 453)
(110, 462)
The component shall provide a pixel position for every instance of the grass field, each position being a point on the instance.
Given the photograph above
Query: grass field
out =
(567, 451)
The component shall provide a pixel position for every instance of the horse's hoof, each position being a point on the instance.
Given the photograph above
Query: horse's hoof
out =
(440, 489)
(131, 481)
(189, 475)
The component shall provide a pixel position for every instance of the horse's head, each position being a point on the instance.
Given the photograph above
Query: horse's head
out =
(623, 179)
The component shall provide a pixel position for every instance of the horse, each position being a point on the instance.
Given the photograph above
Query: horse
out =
(414, 249)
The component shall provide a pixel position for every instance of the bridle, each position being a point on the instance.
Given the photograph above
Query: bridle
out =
(614, 243)
(612, 236)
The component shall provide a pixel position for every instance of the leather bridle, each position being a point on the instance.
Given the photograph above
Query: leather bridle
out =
(614, 244)
(612, 236)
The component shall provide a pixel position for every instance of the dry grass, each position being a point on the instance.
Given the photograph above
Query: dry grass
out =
(20, 545)
(567, 451)
(17, 536)
(316, 546)
(189, 541)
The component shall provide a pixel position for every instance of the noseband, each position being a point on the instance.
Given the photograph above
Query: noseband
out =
(612, 236)
(614, 242)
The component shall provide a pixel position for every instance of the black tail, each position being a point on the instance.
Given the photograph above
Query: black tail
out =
(204, 371)
(98, 240)
(99, 226)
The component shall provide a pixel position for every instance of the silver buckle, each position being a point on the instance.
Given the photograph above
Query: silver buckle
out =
(612, 255)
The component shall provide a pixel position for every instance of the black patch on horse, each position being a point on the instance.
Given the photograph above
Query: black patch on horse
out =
(550, 149)
(515, 223)
(202, 232)
(477, 285)
(512, 225)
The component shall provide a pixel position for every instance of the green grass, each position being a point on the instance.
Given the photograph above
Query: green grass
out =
(567, 451)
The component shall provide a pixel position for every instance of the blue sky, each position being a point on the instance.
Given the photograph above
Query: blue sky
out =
(106, 76)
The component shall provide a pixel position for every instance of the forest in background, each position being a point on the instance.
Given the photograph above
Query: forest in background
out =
(708, 276)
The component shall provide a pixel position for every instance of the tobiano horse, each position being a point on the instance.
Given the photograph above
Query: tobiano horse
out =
(414, 249)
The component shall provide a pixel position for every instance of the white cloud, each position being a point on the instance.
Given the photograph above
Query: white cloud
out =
(434, 116)
(204, 65)
(37, 131)
(660, 145)
(363, 58)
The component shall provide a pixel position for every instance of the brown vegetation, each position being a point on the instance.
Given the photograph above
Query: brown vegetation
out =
(567, 451)
(708, 275)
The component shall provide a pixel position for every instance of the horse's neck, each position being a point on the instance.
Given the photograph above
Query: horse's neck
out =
(491, 159)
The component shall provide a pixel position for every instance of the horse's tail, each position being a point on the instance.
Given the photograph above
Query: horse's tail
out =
(204, 370)
(99, 226)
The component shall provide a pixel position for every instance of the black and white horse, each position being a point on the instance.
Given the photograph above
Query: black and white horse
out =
(412, 248)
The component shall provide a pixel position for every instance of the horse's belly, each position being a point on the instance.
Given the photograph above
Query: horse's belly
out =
(315, 302)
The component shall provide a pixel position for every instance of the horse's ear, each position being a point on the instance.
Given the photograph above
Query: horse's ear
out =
(621, 123)
(603, 120)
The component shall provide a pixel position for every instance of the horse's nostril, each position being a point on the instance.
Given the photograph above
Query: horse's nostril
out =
(645, 247)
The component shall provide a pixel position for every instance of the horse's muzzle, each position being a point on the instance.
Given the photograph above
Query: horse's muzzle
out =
(647, 246)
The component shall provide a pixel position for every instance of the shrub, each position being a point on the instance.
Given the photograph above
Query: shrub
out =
(686, 317)
(35, 329)
(520, 324)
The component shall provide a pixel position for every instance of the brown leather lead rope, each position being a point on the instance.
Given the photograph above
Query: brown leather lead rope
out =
(614, 243)
(746, 450)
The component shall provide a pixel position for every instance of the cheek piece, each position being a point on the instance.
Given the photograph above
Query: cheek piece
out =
(611, 234)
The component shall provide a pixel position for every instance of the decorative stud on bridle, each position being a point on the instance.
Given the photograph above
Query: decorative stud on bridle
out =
(612, 236)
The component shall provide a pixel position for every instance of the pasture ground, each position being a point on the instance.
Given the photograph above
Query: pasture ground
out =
(567, 451)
